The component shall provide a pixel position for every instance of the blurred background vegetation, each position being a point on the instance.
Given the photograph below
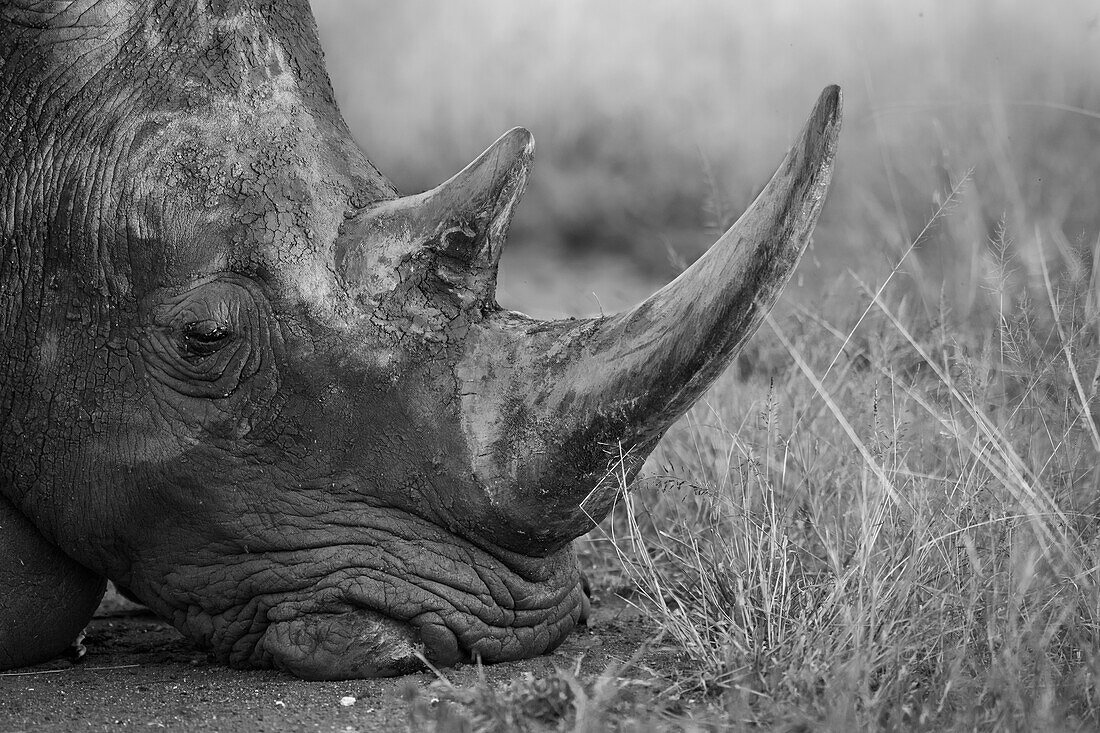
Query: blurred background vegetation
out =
(658, 121)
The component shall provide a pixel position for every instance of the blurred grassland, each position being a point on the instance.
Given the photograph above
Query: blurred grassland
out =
(657, 122)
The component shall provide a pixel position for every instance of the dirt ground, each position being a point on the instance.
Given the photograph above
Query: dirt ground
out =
(140, 674)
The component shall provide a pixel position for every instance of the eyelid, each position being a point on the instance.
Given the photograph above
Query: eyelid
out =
(206, 337)
(207, 328)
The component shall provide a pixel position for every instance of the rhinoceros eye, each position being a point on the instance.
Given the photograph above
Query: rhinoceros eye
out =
(202, 338)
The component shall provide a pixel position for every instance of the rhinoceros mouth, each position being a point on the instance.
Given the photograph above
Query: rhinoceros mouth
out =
(394, 605)
(364, 642)
(345, 645)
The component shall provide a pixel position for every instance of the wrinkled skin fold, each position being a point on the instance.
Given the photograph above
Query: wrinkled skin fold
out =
(275, 400)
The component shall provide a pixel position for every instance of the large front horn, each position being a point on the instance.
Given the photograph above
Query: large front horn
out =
(549, 408)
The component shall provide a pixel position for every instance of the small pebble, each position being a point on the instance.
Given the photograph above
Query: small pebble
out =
(347, 701)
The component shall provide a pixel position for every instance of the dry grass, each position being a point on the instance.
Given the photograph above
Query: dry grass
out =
(900, 531)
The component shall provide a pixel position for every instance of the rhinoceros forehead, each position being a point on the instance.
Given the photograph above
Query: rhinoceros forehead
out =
(209, 129)
(166, 53)
(243, 171)
(235, 188)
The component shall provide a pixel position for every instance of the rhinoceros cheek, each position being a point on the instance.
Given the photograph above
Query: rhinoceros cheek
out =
(349, 645)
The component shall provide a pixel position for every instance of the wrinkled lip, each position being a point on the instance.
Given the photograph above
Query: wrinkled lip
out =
(496, 605)
(392, 590)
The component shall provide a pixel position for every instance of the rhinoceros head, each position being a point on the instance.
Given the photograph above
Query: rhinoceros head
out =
(248, 381)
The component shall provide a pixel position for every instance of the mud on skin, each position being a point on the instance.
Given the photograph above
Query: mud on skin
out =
(248, 381)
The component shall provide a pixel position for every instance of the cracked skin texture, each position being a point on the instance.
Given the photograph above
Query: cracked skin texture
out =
(282, 497)
(277, 402)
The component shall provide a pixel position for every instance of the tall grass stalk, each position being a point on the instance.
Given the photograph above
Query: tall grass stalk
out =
(921, 553)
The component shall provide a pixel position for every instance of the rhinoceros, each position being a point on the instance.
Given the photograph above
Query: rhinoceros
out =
(275, 400)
